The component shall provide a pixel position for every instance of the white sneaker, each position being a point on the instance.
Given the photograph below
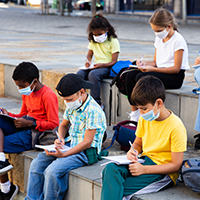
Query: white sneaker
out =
(134, 115)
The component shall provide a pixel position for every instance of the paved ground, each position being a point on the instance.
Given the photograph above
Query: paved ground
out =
(54, 42)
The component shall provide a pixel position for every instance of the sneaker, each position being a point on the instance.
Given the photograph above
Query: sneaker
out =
(134, 115)
(11, 194)
(5, 166)
(196, 90)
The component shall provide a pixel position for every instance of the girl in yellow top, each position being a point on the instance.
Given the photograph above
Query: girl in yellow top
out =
(104, 46)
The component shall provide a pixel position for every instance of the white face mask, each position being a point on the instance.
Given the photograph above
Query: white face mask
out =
(163, 34)
(74, 104)
(100, 39)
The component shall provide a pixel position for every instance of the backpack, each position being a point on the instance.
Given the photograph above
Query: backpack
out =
(197, 142)
(124, 132)
(190, 173)
(114, 70)
(119, 81)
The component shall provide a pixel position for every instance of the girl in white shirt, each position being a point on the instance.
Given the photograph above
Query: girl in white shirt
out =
(170, 57)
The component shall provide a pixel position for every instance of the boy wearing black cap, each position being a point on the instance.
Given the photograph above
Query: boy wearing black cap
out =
(48, 175)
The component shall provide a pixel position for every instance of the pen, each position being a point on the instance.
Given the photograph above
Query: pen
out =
(86, 60)
(141, 59)
(1, 110)
(58, 136)
(132, 147)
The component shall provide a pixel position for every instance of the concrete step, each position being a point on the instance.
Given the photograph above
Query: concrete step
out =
(181, 101)
(87, 178)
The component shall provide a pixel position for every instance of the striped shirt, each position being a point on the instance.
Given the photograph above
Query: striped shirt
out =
(89, 116)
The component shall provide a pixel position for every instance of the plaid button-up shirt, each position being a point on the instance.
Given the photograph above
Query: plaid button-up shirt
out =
(89, 116)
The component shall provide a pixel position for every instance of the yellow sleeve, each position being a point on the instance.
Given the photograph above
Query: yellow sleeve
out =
(139, 131)
(179, 139)
(115, 47)
(90, 46)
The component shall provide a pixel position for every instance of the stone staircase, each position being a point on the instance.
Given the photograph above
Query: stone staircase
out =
(87, 180)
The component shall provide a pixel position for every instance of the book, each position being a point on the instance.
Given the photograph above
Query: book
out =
(120, 160)
(85, 68)
(1, 114)
(51, 147)
(196, 66)
(135, 66)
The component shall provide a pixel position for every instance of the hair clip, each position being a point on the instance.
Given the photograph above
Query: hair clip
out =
(97, 16)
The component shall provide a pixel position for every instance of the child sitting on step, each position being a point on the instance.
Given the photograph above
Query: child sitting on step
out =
(161, 139)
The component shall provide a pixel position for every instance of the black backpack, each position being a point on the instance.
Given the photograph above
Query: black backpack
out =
(119, 81)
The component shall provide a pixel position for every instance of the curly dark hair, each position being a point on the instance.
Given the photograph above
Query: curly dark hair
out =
(26, 72)
(100, 22)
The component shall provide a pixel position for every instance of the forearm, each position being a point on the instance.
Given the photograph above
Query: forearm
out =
(161, 169)
(167, 70)
(78, 148)
(62, 130)
(109, 64)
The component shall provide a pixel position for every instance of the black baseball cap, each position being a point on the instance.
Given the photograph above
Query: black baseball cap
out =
(72, 83)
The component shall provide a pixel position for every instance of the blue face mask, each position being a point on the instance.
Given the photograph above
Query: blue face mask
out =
(150, 116)
(27, 91)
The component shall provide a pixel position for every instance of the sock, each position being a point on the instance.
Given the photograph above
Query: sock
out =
(5, 187)
(2, 157)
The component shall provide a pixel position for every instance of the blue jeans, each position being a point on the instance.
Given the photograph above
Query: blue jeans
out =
(48, 176)
(15, 141)
(95, 76)
(197, 79)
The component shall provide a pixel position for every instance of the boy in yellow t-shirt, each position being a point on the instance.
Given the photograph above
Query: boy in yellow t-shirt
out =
(161, 138)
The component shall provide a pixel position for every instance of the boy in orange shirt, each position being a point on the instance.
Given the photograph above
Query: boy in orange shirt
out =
(39, 111)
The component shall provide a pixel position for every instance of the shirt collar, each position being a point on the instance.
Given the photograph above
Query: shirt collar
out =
(82, 108)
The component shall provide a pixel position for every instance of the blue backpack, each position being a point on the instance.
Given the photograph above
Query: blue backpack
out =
(115, 69)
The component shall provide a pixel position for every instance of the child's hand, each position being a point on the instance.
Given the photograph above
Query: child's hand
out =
(147, 68)
(59, 144)
(132, 155)
(99, 65)
(4, 111)
(58, 153)
(21, 123)
(136, 169)
(87, 64)
(197, 61)
(140, 63)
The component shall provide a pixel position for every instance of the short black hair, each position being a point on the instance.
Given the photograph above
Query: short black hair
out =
(26, 72)
(147, 90)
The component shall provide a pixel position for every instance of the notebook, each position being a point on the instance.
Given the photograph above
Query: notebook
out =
(135, 66)
(85, 68)
(120, 160)
(51, 148)
(1, 114)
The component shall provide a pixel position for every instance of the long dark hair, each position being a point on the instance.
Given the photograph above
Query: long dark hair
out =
(100, 22)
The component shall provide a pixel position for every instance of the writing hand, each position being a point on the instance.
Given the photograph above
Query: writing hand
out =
(132, 155)
(140, 63)
(59, 144)
(4, 111)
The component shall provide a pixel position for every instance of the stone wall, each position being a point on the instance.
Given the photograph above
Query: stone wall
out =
(2, 85)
